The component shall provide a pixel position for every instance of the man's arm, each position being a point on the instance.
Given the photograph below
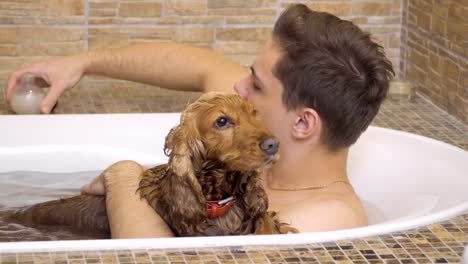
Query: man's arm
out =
(129, 215)
(168, 65)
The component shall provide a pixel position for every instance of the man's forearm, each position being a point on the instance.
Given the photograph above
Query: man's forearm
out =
(129, 215)
(168, 65)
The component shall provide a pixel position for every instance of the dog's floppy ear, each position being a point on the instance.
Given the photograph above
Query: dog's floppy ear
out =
(185, 151)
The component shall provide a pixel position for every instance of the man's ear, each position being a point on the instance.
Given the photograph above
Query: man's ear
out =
(306, 123)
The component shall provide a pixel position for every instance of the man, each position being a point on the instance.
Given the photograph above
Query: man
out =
(317, 84)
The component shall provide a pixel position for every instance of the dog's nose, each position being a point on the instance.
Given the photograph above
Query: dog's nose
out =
(269, 146)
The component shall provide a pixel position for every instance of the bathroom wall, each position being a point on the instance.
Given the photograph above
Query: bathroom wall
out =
(35, 29)
(435, 52)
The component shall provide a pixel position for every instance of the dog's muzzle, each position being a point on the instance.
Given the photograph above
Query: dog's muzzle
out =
(269, 146)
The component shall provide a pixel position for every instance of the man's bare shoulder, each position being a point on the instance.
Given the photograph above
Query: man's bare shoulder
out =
(325, 212)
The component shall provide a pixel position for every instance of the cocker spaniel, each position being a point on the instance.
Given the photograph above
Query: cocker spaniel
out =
(209, 187)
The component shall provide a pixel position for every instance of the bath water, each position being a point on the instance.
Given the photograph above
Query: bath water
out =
(23, 188)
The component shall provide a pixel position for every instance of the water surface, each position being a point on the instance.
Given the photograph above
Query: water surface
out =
(23, 188)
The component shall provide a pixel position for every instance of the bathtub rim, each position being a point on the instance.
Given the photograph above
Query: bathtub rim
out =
(231, 241)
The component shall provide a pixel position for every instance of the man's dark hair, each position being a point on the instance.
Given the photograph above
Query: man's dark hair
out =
(332, 66)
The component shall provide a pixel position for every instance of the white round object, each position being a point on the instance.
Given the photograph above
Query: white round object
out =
(27, 96)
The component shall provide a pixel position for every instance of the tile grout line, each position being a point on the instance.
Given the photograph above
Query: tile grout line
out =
(86, 30)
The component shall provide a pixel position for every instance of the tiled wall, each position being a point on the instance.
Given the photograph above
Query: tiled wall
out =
(425, 39)
(35, 29)
(435, 52)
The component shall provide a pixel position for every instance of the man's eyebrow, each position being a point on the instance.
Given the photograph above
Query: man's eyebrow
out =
(252, 69)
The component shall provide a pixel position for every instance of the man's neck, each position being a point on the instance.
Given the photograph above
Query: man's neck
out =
(301, 167)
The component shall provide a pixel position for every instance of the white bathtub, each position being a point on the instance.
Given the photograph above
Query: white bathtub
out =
(405, 180)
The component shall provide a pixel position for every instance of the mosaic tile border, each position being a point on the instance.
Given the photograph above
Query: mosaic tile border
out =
(437, 243)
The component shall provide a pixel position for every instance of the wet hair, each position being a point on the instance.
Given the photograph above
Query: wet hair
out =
(332, 66)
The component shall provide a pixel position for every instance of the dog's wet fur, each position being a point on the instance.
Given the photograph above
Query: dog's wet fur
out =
(219, 149)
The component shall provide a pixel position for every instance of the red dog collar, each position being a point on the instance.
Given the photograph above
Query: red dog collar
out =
(218, 208)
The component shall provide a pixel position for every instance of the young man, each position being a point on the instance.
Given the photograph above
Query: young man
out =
(317, 84)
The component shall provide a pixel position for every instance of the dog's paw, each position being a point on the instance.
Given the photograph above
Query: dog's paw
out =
(286, 228)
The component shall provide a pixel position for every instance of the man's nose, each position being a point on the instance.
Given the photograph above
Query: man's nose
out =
(241, 88)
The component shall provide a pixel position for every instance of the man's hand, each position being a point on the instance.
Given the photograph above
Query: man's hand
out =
(97, 186)
(60, 74)
(129, 215)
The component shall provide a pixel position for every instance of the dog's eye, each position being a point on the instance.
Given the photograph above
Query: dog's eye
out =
(222, 122)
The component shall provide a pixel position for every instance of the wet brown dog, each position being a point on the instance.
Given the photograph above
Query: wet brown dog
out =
(209, 187)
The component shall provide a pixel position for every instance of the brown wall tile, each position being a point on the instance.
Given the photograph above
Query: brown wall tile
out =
(102, 12)
(64, 7)
(371, 8)
(140, 9)
(9, 35)
(185, 7)
(50, 34)
(241, 11)
(108, 4)
(20, 8)
(103, 42)
(340, 8)
(50, 49)
(233, 3)
(9, 63)
(8, 50)
(194, 34)
(238, 47)
(269, 20)
(435, 36)
(243, 33)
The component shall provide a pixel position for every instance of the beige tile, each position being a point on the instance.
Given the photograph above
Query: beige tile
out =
(234, 3)
(64, 7)
(51, 34)
(9, 35)
(140, 9)
(337, 8)
(185, 7)
(194, 34)
(243, 34)
(371, 8)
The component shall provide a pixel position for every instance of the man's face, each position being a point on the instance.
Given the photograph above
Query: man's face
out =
(264, 91)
